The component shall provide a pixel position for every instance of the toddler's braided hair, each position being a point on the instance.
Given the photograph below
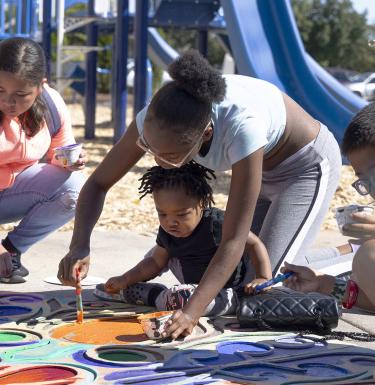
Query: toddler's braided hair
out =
(192, 178)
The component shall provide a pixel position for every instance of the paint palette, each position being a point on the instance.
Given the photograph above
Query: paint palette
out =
(40, 342)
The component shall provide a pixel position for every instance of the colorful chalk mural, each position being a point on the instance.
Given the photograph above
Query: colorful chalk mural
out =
(40, 342)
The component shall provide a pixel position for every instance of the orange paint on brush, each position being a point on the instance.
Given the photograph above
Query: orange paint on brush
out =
(39, 374)
(80, 316)
(102, 331)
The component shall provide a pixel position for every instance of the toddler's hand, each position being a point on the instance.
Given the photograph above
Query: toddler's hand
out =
(250, 287)
(115, 284)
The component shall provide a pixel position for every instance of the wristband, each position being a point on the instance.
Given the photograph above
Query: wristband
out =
(353, 290)
(339, 289)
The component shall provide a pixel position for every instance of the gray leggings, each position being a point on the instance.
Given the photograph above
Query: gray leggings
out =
(294, 199)
(175, 297)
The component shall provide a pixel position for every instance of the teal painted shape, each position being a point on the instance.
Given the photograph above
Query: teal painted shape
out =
(44, 350)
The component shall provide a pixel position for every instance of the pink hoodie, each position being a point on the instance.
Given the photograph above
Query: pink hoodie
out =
(17, 151)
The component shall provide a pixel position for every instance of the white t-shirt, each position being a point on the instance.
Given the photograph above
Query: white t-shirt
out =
(251, 116)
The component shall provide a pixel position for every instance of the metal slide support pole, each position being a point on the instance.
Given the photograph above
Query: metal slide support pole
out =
(46, 34)
(19, 17)
(2, 17)
(28, 16)
(140, 79)
(60, 12)
(120, 68)
(90, 83)
(203, 42)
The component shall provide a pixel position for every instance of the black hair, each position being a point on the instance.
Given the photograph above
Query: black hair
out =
(360, 132)
(184, 105)
(25, 58)
(192, 178)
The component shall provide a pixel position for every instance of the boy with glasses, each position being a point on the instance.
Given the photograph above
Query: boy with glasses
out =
(359, 147)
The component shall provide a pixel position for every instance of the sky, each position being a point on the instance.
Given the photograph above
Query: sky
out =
(362, 5)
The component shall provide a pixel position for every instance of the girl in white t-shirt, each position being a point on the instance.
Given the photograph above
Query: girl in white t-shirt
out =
(285, 168)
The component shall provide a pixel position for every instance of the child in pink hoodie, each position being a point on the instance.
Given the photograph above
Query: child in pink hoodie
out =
(42, 196)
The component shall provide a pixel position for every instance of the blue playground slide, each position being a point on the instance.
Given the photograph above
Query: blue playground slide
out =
(159, 51)
(266, 44)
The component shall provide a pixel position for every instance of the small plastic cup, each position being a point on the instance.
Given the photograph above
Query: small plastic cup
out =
(68, 155)
(154, 324)
(343, 214)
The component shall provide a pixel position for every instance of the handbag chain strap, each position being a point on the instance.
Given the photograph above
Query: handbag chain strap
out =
(336, 335)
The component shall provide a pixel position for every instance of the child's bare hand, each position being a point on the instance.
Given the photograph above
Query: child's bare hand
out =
(250, 287)
(115, 284)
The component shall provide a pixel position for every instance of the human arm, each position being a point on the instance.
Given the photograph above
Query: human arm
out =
(308, 280)
(238, 217)
(145, 270)
(260, 260)
(64, 136)
(91, 200)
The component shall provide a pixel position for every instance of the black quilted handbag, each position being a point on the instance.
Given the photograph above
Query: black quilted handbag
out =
(283, 308)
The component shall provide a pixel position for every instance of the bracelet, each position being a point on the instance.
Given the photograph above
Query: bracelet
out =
(339, 289)
(353, 291)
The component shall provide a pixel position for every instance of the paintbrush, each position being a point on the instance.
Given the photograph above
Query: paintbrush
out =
(79, 299)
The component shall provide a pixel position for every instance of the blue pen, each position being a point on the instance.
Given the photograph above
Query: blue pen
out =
(273, 281)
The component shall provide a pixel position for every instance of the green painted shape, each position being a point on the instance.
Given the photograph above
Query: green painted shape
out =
(11, 336)
(122, 356)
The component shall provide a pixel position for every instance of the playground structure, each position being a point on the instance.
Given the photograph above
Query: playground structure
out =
(269, 48)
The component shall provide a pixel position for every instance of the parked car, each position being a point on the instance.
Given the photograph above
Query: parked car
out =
(363, 85)
(343, 75)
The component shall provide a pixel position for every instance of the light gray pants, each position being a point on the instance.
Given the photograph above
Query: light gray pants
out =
(43, 198)
(294, 199)
(175, 297)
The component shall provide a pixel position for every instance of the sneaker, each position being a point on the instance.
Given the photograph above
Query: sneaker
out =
(18, 271)
(142, 293)
(100, 293)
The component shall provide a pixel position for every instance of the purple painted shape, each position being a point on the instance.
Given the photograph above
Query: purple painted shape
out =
(13, 310)
(242, 346)
(364, 362)
(316, 369)
(221, 359)
(151, 375)
(142, 373)
(166, 381)
(264, 372)
(9, 344)
(24, 298)
(339, 359)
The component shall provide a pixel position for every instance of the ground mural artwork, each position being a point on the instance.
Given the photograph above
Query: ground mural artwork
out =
(40, 342)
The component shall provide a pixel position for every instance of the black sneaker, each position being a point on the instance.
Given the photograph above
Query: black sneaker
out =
(18, 271)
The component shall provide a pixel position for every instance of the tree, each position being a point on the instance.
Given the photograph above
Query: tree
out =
(335, 34)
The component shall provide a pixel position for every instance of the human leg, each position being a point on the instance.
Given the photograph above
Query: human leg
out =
(177, 296)
(300, 189)
(141, 293)
(43, 198)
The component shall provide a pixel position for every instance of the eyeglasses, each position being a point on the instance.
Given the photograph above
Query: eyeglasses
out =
(365, 186)
(141, 142)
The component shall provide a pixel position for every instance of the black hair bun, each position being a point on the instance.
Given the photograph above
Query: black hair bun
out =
(192, 72)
